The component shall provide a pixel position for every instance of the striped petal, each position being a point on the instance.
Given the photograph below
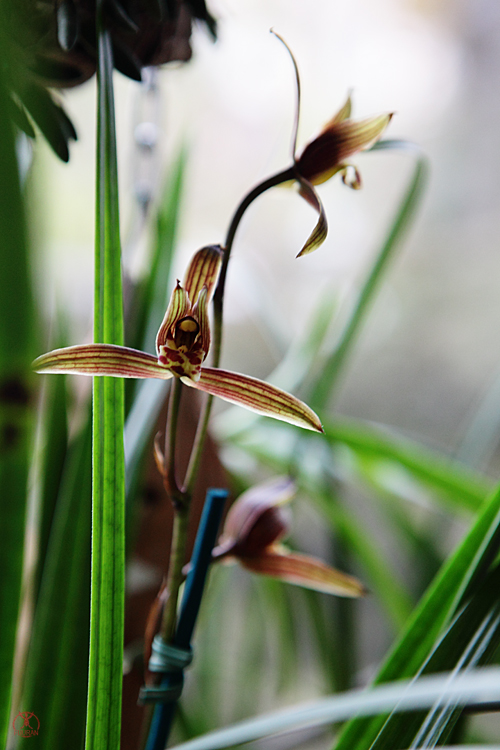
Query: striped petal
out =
(178, 307)
(343, 114)
(303, 570)
(257, 396)
(318, 235)
(102, 359)
(336, 143)
(203, 271)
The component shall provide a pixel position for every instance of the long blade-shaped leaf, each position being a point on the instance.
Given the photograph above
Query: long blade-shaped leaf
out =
(332, 367)
(459, 485)
(56, 673)
(478, 686)
(467, 643)
(435, 609)
(108, 496)
(16, 396)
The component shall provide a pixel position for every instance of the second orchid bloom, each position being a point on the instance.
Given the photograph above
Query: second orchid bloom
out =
(182, 345)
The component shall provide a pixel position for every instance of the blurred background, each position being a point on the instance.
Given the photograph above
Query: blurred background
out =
(430, 352)
(428, 361)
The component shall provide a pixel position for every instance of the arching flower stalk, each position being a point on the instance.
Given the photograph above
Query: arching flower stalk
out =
(327, 154)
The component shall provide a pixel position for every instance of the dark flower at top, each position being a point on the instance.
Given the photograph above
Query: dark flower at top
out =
(329, 153)
(54, 44)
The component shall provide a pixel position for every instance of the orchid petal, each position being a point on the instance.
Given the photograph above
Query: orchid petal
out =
(323, 155)
(257, 396)
(318, 235)
(178, 307)
(203, 270)
(250, 509)
(303, 570)
(102, 359)
(343, 114)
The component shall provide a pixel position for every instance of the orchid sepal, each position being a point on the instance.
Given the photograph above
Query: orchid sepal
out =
(256, 395)
(303, 570)
(102, 359)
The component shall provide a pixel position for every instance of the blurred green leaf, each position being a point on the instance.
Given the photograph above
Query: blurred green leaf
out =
(468, 642)
(453, 481)
(17, 337)
(56, 673)
(477, 686)
(325, 383)
(55, 438)
(108, 498)
(434, 611)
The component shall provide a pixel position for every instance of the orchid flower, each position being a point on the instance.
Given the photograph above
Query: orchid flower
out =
(182, 345)
(252, 532)
(330, 152)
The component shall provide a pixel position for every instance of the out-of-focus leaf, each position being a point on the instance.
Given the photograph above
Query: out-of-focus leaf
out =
(477, 686)
(468, 642)
(55, 444)
(17, 336)
(50, 118)
(56, 675)
(435, 610)
(327, 380)
(457, 484)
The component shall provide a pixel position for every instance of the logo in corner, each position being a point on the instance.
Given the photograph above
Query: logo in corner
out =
(26, 724)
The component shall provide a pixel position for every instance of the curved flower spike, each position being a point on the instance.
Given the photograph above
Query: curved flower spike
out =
(182, 344)
(328, 153)
(255, 524)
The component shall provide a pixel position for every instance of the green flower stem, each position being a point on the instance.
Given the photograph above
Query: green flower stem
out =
(277, 179)
(171, 484)
(175, 576)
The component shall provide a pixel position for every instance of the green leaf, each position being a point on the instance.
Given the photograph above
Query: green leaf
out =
(56, 672)
(477, 686)
(468, 642)
(332, 368)
(451, 480)
(16, 392)
(108, 496)
(55, 438)
(434, 611)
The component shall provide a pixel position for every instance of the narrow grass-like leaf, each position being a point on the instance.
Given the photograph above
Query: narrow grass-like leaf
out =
(435, 609)
(467, 643)
(459, 485)
(478, 686)
(108, 496)
(332, 368)
(17, 323)
(55, 446)
(57, 665)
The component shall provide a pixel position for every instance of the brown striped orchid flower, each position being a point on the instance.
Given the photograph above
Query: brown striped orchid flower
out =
(330, 153)
(182, 344)
(252, 532)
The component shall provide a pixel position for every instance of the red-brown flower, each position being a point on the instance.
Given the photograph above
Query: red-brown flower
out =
(182, 344)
